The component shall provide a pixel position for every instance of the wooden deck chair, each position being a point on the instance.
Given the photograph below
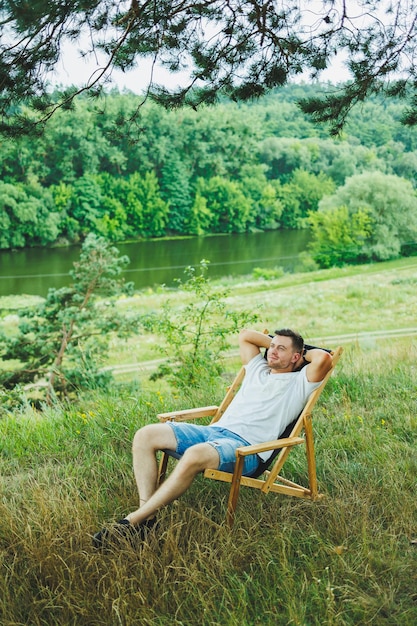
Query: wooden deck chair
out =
(299, 432)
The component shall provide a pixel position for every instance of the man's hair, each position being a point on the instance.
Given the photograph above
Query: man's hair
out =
(297, 340)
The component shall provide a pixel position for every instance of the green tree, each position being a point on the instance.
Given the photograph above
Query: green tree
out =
(226, 202)
(301, 195)
(218, 141)
(63, 340)
(266, 208)
(62, 195)
(73, 145)
(241, 48)
(398, 161)
(85, 206)
(154, 209)
(176, 190)
(200, 217)
(383, 212)
(102, 189)
(111, 214)
(337, 159)
(338, 237)
(283, 156)
(27, 216)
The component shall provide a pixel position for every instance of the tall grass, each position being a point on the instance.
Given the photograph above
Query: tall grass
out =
(347, 559)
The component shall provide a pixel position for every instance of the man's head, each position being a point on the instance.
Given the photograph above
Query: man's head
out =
(285, 350)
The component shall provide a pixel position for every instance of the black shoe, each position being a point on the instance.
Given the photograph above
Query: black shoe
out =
(121, 531)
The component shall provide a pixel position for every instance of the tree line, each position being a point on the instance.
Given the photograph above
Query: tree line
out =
(235, 167)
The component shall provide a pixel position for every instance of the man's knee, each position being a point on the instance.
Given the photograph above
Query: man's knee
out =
(154, 436)
(200, 457)
(142, 435)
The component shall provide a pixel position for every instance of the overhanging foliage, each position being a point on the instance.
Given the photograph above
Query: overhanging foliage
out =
(241, 48)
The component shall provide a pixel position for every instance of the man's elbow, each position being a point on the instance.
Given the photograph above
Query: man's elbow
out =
(326, 361)
(320, 365)
(243, 335)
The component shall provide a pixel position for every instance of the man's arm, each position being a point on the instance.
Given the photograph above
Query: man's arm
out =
(319, 363)
(250, 343)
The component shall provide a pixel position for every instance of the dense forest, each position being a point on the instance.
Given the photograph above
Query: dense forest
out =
(122, 173)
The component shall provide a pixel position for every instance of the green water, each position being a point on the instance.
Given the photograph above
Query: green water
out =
(34, 270)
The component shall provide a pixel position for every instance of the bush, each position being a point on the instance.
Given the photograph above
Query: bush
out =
(195, 336)
(267, 273)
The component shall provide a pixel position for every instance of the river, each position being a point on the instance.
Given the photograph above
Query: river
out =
(33, 271)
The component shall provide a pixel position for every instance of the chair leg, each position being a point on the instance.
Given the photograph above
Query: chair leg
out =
(162, 470)
(311, 461)
(234, 491)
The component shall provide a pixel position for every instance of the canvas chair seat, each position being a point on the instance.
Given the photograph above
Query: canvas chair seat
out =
(299, 432)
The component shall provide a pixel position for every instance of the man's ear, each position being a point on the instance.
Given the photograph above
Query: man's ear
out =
(300, 363)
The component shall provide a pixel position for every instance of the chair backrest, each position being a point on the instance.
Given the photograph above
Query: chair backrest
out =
(304, 419)
(230, 394)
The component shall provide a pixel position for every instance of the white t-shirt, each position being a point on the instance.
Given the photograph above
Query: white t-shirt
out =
(266, 403)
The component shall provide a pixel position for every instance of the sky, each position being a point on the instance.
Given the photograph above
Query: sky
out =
(75, 70)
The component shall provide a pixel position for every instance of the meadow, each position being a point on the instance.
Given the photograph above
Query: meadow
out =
(348, 559)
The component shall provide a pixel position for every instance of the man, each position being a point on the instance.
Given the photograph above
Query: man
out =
(273, 393)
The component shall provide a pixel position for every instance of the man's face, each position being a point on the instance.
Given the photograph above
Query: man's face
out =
(281, 355)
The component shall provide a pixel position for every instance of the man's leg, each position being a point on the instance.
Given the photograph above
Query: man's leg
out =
(196, 459)
(147, 441)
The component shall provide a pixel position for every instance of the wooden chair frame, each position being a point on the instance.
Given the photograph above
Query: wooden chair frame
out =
(270, 480)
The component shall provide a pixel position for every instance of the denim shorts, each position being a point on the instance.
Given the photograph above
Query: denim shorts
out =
(223, 440)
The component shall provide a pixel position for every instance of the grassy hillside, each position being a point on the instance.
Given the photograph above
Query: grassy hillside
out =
(343, 305)
(349, 559)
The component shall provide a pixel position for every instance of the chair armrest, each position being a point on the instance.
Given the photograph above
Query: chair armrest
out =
(188, 414)
(275, 444)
